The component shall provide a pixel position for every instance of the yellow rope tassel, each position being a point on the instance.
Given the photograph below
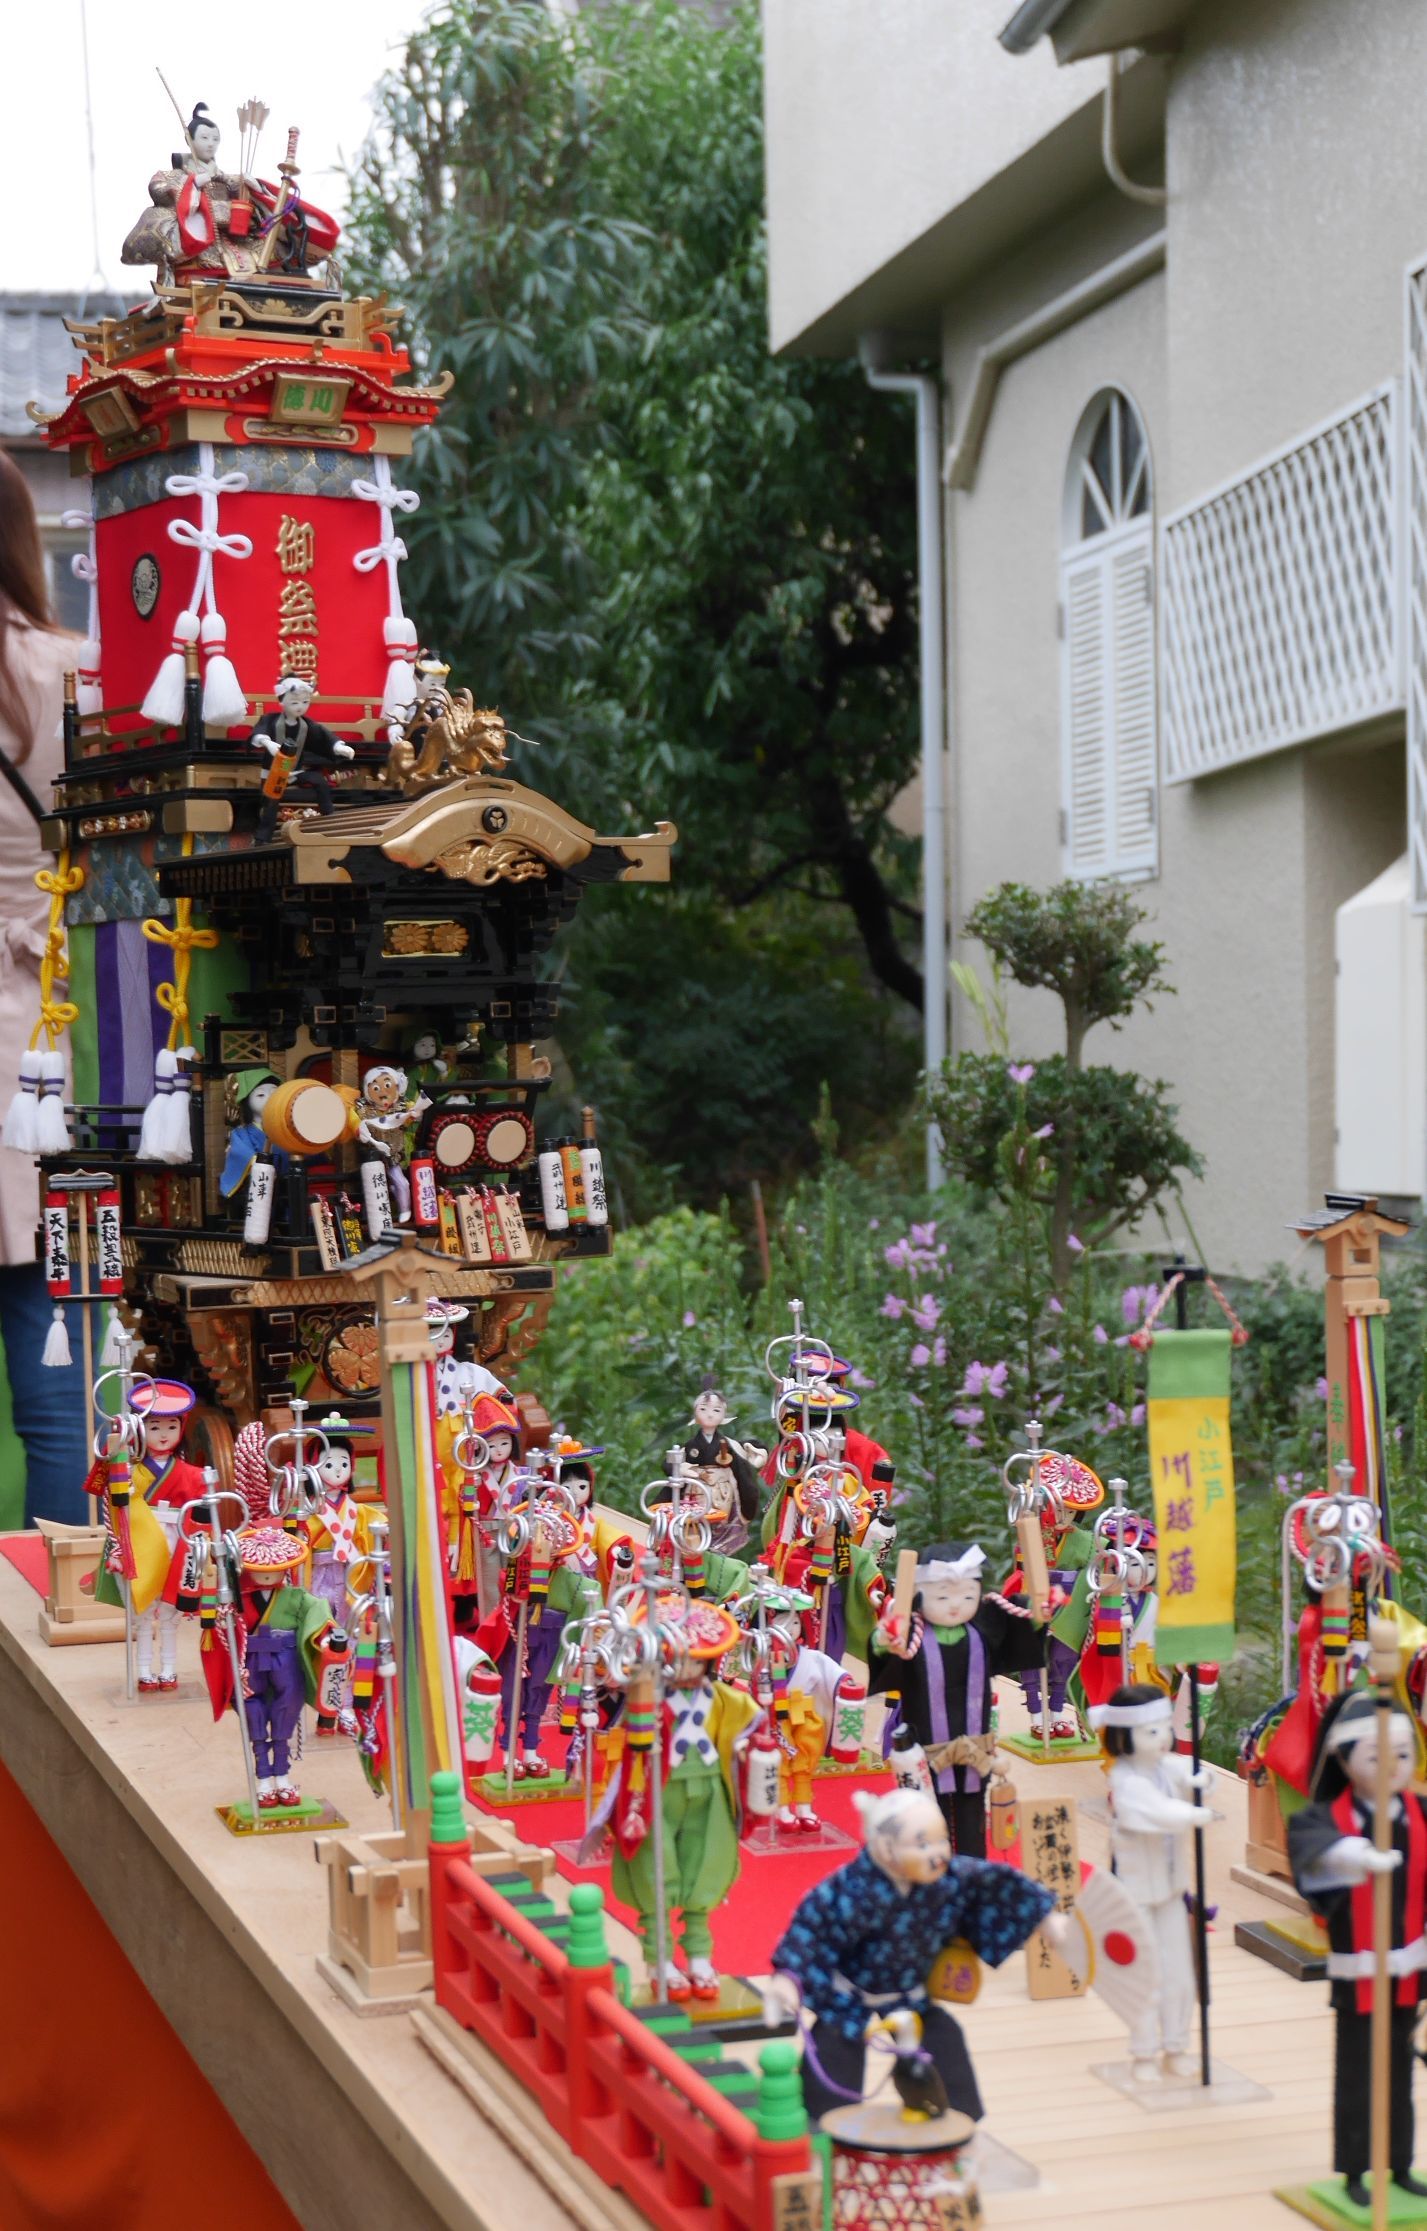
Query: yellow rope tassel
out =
(181, 938)
(56, 1015)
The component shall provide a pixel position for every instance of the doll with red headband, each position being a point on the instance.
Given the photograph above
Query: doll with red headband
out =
(1073, 1490)
(340, 1537)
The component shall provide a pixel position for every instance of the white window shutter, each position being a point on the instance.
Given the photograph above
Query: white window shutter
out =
(1086, 715)
(1108, 707)
(1132, 636)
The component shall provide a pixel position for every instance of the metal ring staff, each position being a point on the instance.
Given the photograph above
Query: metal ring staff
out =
(1121, 1564)
(637, 1649)
(226, 1557)
(550, 1515)
(1029, 1495)
(375, 1603)
(119, 1444)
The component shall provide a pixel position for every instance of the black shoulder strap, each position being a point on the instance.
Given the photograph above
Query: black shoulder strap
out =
(21, 788)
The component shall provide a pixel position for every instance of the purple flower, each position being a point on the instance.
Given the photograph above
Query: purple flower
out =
(973, 1441)
(1320, 1388)
(897, 1255)
(1020, 1072)
(892, 1306)
(1100, 1336)
(1114, 1415)
(923, 1235)
(1076, 1246)
(1132, 1302)
(939, 1352)
(1046, 1131)
(915, 1400)
(690, 1318)
(860, 1379)
(1137, 1414)
(1056, 1306)
(996, 1380)
(968, 1414)
(976, 1377)
(1051, 1403)
(874, 1223)
(927, 1313)
(1052, 1355)
(920, 1356)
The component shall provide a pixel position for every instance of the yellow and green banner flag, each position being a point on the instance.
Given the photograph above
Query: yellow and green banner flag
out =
(1192, 1474)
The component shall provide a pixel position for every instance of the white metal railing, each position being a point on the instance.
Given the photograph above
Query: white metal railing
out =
(1280, 597)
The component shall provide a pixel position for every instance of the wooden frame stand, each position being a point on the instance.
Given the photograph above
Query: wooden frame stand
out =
(378, 1956)
(68, 1614)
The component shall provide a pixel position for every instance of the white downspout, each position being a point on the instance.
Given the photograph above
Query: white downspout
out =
(933, 712)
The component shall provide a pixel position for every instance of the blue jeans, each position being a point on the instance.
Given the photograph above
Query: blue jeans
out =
(50, 1408)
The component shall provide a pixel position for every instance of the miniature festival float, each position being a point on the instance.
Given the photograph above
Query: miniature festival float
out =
(301, 905)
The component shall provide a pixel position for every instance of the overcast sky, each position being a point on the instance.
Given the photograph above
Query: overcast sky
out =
(313, 62)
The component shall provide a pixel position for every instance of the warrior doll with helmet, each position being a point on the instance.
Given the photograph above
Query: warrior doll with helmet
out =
(943, 1670)
(841, 1559)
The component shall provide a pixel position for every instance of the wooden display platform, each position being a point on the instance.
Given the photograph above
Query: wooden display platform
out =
(372, 2131)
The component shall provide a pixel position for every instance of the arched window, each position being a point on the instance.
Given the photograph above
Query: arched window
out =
(1108, 739)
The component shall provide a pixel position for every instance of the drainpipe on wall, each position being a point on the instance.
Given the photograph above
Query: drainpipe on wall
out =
(924, 386)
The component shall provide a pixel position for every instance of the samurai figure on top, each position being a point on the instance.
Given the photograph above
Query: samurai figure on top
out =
(202, 220)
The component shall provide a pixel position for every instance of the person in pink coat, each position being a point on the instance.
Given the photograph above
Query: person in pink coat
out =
(49, 1406)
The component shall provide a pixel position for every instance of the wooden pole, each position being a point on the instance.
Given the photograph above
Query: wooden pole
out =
(1201, 1909)
(760, 1231)
(1383, 1658)
(81, 1201)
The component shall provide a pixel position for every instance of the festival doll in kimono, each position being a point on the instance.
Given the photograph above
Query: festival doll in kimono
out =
(553, 1580)
(339, 1535)
(943, 1671)
(862, 1945)
(1074, 1490)
(722, 1466)
(707, 1724)
(1154, 1804)
(1093, 1627)
(1331, 1844)
(807, 1715)
(161, 1482)
(840, 1561)
(283, 1630)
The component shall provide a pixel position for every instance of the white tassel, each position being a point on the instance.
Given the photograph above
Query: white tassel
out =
(89, 692)
(51, 1128)
(224, 705)
(400, 692)
(174, 1117)
(55, 1355)
(111, 1355)
(165, 701)
(153, 1132)
(22, 1117)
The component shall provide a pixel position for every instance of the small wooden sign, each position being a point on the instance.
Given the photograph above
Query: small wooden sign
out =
(1050, 1846)
(798, 2200)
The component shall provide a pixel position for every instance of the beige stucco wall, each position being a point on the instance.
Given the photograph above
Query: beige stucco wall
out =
(880, 118)
(1297, 167)
(1252, 863)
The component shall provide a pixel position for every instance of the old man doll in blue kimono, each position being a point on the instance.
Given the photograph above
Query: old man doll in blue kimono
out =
(862, 1945)
(944, 1669)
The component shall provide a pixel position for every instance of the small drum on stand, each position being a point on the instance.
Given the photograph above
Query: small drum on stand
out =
(891, 2173)
(306, 1116)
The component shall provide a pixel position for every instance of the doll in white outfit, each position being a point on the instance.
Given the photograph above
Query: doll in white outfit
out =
(1153, 1806)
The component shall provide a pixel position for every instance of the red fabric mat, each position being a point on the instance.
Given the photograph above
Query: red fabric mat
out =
(758, 1908)
(29, 1557)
